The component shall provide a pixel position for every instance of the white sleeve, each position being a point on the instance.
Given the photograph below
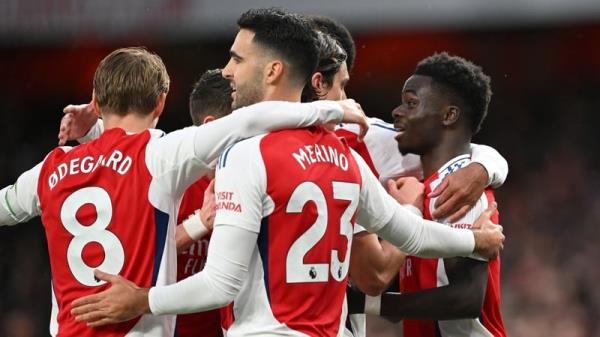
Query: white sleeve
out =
(240, 186)
(19, 202)
(94, 133)
(183, 156)
(469, 219)
(492, 161)
(381, 214)
(229, 253)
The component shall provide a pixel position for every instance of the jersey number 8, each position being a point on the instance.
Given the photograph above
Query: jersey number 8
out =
(114, 255)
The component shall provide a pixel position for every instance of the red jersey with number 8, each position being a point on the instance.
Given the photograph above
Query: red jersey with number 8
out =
(97, 214)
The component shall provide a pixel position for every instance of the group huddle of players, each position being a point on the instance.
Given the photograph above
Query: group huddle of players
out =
(269, 217)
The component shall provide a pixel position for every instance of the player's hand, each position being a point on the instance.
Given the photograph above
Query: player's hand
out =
(459, 191)
(353, 113)
(121, 302)
(489, 239)
(209, 206)
(407, 190)
(76, 122)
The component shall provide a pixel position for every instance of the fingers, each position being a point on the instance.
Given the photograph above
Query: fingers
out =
(65, 129)
(439, 189)
(105, 276)
(392, 186)
(102, 322)
(87, 300)
(363, 123)
(459, 214)
(446, 208)
(84, 309)
(211, 186)
(489, 212)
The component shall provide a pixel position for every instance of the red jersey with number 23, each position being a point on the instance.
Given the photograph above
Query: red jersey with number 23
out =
(299, 191)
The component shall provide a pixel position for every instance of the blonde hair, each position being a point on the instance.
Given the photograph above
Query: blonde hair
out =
(130, 80)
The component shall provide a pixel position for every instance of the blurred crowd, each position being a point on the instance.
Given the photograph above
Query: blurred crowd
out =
(543, 119)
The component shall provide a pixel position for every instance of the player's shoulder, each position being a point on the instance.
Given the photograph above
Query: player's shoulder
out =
(241, 153)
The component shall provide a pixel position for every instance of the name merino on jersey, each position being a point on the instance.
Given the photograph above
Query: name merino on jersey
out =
(88, 164)
(318, 153)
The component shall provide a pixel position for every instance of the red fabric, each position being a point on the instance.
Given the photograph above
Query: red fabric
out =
(128, 211)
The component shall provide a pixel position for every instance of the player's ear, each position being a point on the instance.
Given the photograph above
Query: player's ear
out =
(451, 115)
(94, 103)
(208, 119)
(160, 105)
(273, 71)
(318, 84)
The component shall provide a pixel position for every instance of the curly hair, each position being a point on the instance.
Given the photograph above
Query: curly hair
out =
(287, 34)
(463, 80)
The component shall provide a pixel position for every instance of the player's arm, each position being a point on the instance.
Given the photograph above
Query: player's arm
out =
(374, 263)
(232, 244)
(379, 213)
(181, 157)
(461, 298)
(19, 202)
(460, 190)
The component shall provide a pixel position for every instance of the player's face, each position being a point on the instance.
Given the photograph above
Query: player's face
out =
(419, 118)
(244, 70)
(337, 91)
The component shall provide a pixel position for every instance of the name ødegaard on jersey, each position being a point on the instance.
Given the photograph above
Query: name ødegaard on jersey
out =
(88, 164)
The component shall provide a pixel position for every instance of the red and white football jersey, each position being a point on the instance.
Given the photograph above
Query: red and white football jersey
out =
(300, 191)
(96, 199)
(419, 274)
(191, 261)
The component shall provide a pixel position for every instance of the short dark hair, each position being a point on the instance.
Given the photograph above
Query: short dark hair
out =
(340, 33)
(211, 95)
(289, 35)
(331, 58)
(463, 79)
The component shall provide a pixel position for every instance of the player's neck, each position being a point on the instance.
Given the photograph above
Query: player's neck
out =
(448, 148)
(282, 93)
(132, 123)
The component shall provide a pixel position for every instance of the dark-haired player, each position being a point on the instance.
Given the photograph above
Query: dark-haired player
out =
(443, 105)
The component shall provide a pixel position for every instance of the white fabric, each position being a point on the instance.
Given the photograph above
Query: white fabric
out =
(194, 227)
(480, 206)
(373, 305)
(492, 161)
(19, 202)
(219, 282)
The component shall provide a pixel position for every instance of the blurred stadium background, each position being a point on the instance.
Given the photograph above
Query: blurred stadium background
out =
(543, 57)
